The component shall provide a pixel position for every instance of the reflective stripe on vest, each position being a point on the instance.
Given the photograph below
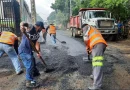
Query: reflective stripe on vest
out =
(97, 61)
(93, 34)
(94, 37)
(98, 38)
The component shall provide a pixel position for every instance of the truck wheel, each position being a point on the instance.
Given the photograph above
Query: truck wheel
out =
(75, 32)
(114, 37)
(71, 32)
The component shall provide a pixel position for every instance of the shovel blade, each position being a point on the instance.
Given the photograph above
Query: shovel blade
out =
(86, 59)
(63, 42)
(48, 69)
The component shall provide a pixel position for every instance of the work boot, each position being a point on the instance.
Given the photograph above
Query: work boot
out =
(91, 76)
(31, 84)
(20, 72)
(93, 88)
(36, 74)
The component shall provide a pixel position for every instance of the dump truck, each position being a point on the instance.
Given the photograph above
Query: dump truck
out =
(99, 18)
(12, 12)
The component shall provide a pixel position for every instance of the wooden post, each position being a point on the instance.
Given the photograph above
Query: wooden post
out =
(33, 11)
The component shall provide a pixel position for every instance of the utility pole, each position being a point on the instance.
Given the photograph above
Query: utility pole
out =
(33, 11)
(70, 9)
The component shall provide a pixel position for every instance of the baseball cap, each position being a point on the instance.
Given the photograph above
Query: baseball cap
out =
(39, 23)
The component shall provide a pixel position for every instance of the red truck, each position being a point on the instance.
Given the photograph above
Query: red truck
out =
(75, 25)
(99, 18)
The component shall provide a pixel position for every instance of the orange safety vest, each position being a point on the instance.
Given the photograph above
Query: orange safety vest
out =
(94, 37)
(8, 38)
(52, 29)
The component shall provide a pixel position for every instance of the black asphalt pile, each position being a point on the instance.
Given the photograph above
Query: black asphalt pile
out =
(64, 63)
(6, 63)
(59, 60)
(108, 63)
(68, 65)
(85, 67)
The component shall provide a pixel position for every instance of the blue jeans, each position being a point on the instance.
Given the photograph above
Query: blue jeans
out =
(29, 64)
(9, 50)
(53, 38)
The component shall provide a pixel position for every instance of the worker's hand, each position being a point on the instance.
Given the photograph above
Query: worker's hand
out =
(88, 50)
(39, 55)
(22, 28)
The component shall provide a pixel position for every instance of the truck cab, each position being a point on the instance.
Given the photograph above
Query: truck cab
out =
(99, 18)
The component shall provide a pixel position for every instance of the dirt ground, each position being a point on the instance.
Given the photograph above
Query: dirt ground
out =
(120, 51)
(71, 72)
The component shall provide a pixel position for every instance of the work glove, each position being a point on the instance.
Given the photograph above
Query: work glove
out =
(88, 50)
(39, 55)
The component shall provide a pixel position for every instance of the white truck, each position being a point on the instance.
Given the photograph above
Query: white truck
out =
(99, 18)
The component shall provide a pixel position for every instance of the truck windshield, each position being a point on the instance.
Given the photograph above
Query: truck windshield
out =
(97, 14)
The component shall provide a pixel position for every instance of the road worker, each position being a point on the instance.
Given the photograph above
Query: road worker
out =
(52, 32)
(96, 45)
(26, 52)
(120, 29)
(7, 40)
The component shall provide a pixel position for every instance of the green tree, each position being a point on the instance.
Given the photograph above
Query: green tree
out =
(120, 8)
(117, 7)
(52, 17)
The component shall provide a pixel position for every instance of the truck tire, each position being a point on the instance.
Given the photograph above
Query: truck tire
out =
(114, 37)
(71, 32)
(110, 37)
(75, 33)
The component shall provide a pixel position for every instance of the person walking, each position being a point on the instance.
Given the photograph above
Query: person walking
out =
(120, 29)
(26, 51)
(96, 45)
(7, 41)
(52, 32)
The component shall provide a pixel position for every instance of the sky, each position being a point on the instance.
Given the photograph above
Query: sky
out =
(42, 7)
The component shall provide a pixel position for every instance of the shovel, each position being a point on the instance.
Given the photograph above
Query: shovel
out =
(87, 59)
(64, 42)
(47, 69)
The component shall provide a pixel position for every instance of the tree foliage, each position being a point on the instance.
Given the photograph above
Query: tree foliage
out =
(120, 8)
(52, 17)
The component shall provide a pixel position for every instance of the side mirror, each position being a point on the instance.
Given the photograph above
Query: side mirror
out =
(110, 15)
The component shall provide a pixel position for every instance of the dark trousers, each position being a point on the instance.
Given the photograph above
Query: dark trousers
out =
(16, 46)
(35, 70)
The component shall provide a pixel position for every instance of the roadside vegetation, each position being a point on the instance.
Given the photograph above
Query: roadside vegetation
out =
(120, 9)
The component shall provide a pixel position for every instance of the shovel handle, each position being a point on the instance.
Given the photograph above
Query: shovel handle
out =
(43, 61)
(34, 48)
(88, 55)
